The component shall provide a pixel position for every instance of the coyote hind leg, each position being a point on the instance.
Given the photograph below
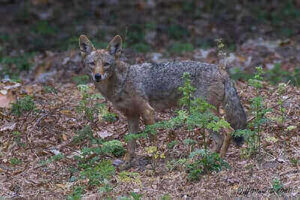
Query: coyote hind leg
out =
(221, 142)
(217, 141)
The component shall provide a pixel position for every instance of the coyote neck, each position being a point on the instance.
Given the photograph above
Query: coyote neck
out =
(113, 87)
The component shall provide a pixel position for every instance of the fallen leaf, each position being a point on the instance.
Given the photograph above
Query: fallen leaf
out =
(64, 136)
(8, 126)
(6, 98)
(67, 113)
(271, 139)
(104, 134)
(5, 101)
(290, 128)
(62, 186)
(55, 151)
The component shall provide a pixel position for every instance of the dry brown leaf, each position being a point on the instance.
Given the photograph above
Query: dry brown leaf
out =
(67, 113)
(104, 134)
(62, 186)
(64, 136)
(7, 100)
(8, 126)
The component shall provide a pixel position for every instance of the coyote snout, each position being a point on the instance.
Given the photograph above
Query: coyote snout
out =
(136, 90)
(97, 77)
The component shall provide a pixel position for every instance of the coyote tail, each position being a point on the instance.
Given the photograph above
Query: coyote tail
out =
(234, 111)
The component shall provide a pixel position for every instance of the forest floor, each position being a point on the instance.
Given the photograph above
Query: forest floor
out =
(31, 142)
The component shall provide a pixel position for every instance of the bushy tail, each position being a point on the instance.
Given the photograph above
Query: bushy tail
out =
(234, 111)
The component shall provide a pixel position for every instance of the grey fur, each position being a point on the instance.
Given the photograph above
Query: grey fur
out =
(158, 84)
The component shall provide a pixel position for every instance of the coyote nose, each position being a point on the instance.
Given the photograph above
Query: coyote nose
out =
(98, 77)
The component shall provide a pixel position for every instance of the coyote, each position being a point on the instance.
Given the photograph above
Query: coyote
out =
(136, 90)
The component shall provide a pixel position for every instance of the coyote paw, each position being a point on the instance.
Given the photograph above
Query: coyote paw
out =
(126, 165)
(128, 162)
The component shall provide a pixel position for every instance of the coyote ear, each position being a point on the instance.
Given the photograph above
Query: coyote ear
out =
(115, 46)
(86, 47)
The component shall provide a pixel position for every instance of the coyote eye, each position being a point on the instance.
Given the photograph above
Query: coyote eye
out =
(106, 64)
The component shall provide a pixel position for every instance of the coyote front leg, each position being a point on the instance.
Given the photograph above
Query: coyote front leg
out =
(148, 117)
(226, 142)
(133, 127)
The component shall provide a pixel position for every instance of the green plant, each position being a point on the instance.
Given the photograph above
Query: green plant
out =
(87, 104)
(252, 141)
(123, 198)
(17, 138)
(25, 104)
(57, 157)
(199, 111)
(15, 161)
(294, 161)
(130, 177)
(109, 117)
(141, 47)
(187, 92)
(44, 28)
(172, 144)
(176, 164)
(155, 155)
(177, 32)
(114, 147)
(190, 143)
(200, 115)
(98, 173)
(49, 89)
(258, 109)
(281, 92)
(136, 196)
(166, 197)
(105, 115)
(135, 37)
(81, 80)
(133, 195)
(220, 48)
(89, 157)
(276, 75)
(202, 162)
(52, 159)
(277, 186)
(179, 47)
(76, 194)
(68, 43)
(135, 34)
(83, 134)
(13, 65)
(236, 74)
(106, 187)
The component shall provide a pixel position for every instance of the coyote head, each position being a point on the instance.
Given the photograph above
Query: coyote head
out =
(100, 62)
